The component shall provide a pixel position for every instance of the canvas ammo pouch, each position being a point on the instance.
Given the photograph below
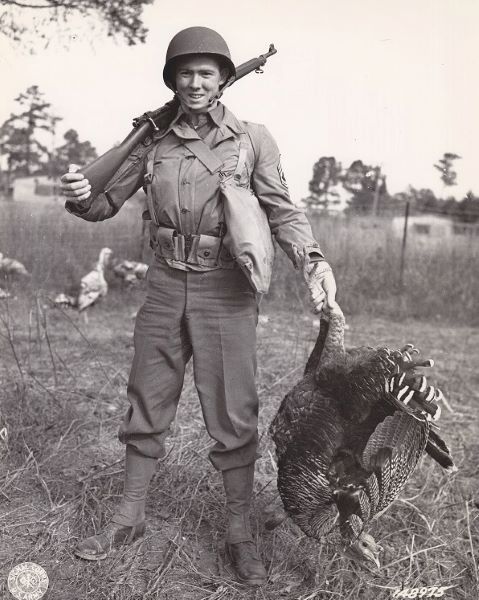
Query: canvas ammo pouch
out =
(199, 249)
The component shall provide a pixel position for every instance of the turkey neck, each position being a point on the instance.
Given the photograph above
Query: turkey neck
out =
(315, 356)
(330, 341)
(101, 263)
(334, 343)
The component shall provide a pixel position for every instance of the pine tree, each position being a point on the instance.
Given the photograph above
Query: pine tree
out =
(21, 135)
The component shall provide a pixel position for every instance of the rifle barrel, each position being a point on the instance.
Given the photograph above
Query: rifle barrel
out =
(254, 63)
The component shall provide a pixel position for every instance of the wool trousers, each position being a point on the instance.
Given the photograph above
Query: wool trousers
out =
(210, 316)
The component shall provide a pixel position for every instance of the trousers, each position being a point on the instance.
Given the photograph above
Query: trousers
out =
(210, 316)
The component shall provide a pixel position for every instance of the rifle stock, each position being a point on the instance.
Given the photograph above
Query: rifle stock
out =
(101, 170)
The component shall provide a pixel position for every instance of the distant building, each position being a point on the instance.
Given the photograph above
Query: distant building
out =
(36, 188)
(433, 227)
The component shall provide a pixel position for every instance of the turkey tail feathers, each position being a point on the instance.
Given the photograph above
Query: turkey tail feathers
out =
(392, 453)
(438, 450)
(392, 433)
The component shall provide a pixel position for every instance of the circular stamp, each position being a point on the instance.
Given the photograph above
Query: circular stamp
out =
(27, 581)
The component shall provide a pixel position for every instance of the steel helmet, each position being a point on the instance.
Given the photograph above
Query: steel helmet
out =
(196, 40)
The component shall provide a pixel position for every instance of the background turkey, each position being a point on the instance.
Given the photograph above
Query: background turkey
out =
(65, 301)
(93, 285)
(10, 267)
(349, 435)
(130, 271)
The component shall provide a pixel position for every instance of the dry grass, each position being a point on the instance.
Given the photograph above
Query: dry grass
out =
(63, 396)
(439, 281)
(57, 248)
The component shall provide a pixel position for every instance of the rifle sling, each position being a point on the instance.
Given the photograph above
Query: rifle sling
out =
(206, 156)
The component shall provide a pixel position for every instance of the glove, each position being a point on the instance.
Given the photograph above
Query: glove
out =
(321, 284)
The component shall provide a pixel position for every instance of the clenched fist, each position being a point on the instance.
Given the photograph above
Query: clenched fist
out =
(74, 184)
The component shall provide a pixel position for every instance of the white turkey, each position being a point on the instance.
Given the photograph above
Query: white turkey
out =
(349, 435)
(11, 266)
(130, 271)
(3, 439)
(94, 285)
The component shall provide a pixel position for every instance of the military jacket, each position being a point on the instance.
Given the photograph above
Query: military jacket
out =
(186, 170)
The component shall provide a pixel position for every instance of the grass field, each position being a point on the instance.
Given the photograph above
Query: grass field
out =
(440, 281)
(63, 396)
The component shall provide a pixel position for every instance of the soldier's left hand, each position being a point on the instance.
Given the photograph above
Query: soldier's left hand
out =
(321, 284)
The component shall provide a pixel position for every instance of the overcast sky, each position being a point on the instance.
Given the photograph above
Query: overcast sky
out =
(390, 82)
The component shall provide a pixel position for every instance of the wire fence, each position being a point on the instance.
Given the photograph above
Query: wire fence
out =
(383, 265)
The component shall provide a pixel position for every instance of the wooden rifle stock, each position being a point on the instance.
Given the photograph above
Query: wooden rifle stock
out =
(101, 170)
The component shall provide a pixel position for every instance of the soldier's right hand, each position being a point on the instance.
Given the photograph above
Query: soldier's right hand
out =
(74, 184)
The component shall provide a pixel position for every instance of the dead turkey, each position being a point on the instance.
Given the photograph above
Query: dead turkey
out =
(349, 435)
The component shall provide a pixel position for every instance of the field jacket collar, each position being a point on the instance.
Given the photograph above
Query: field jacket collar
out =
(228, 125)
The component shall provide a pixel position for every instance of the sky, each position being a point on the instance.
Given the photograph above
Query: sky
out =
(393, 83)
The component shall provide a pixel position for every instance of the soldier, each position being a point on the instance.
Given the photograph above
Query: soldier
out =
(199, 302)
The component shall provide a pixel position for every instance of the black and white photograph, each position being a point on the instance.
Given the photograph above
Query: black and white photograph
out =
(239, 326)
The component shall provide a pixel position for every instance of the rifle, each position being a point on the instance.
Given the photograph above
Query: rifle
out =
(102, 169)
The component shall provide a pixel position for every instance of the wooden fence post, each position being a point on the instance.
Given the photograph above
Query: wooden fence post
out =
(403, 249)
(377, 172)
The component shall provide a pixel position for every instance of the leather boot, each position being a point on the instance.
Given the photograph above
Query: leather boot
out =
(128, 522)
(240, 547)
